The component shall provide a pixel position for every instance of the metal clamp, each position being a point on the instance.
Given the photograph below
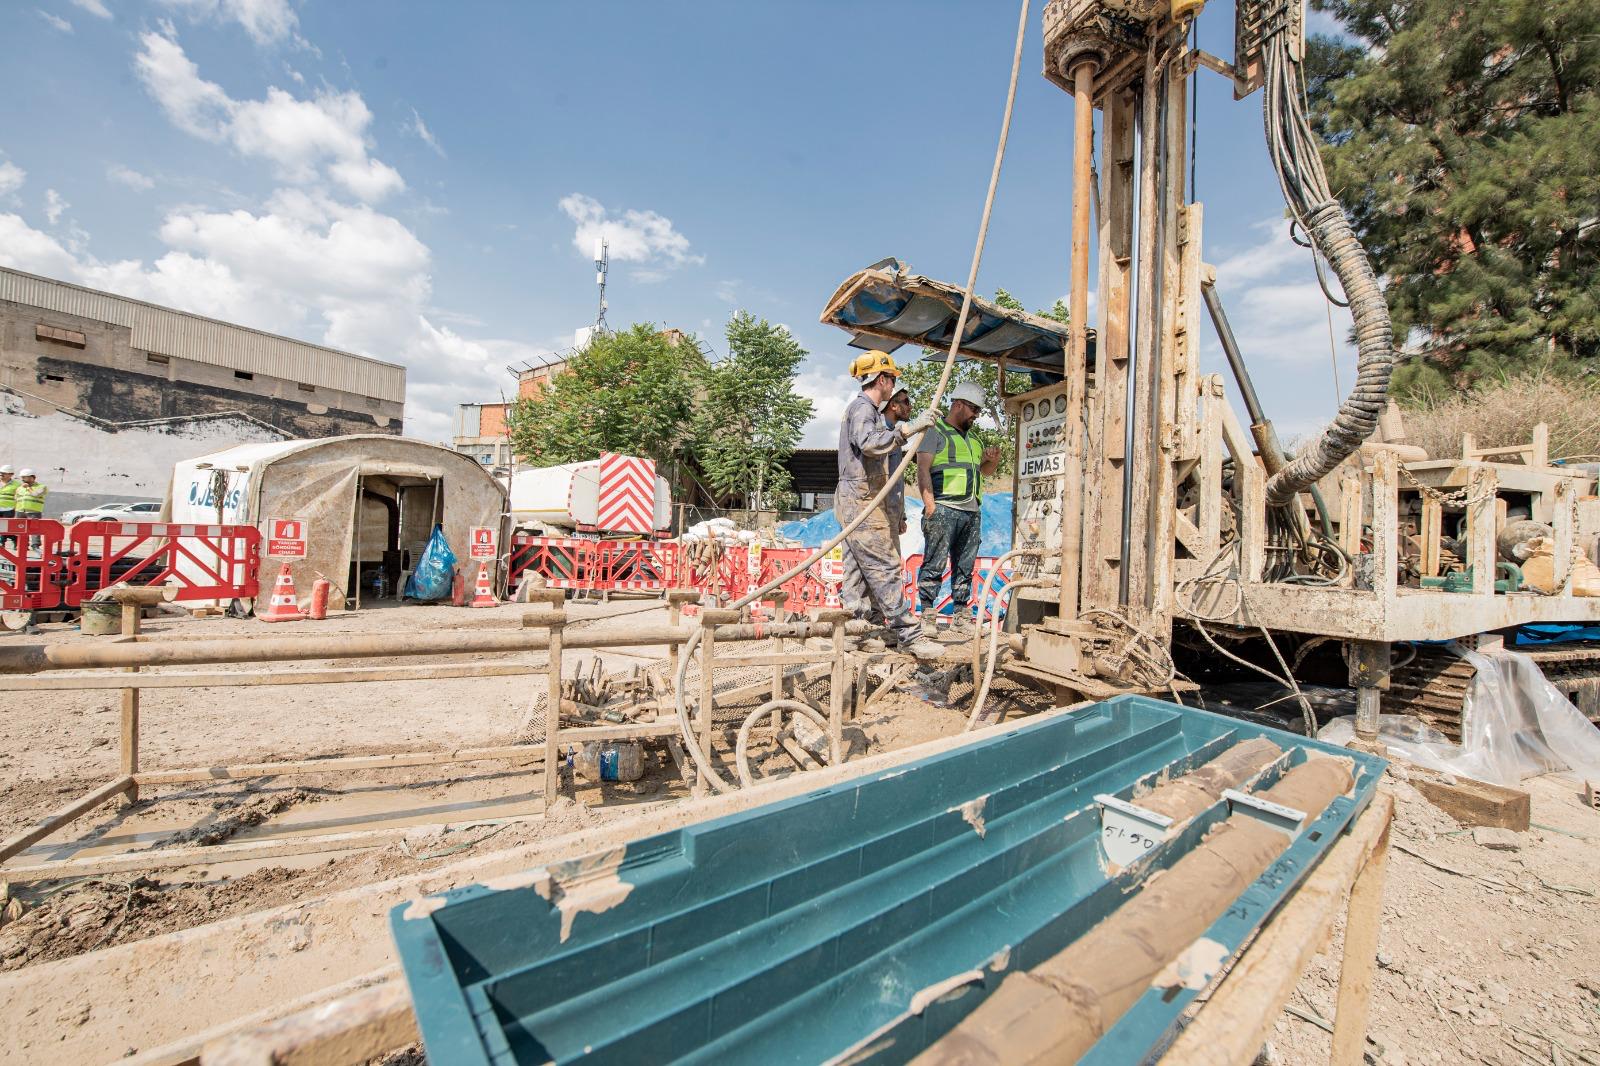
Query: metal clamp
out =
(1128, 832)
(1276, 815)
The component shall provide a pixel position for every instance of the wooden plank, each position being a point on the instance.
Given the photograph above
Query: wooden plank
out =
(552, 715)
(1385, 524)
(245, 771)
(1478, 802)
(209, 855)
(1360, 959)
(1432, 528)
(629, 731)
(775, 659)
(64, 815)
(1481, 484)
(357, 1028)
(1209, 513)
(1231, 1027)
(252, 678)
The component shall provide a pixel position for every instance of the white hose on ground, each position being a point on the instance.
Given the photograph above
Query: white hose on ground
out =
(995, 567)
(955, 339)
(994, 654)
(741, 749)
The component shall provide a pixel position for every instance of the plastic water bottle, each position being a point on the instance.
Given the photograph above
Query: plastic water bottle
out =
(610, 761)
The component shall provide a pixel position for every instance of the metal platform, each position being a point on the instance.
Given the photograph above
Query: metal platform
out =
(834, 922)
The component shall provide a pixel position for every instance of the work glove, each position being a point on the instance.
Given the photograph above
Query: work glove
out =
(910, 429)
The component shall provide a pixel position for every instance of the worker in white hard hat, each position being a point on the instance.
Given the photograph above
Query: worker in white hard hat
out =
(8, 491)
(30, 495)
(865, 443)
(951, 465)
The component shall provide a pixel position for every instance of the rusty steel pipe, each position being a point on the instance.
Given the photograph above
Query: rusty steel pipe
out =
(37, 658)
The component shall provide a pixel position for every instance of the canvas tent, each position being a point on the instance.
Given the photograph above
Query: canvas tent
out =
(369, 502)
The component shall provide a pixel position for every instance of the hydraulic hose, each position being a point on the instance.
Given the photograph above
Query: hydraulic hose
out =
(1298, 162)
(995, 568)
(955, 339)
(982, 694)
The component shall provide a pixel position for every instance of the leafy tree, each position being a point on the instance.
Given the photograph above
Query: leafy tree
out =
(1461, 138)
(631, 392)
(749, 417)
(993, 425)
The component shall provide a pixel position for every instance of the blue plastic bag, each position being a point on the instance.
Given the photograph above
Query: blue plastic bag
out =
(435, 571)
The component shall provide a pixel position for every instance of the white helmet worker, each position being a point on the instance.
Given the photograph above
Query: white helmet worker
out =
(968, 393)
(27, 471)
(7, 469)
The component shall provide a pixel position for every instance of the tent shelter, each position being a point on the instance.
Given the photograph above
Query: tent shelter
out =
(369, 502)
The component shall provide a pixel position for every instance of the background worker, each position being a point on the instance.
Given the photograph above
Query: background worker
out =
(951, 465)
(30, 496)
(854, 595)
(865, 442)
(8, 491)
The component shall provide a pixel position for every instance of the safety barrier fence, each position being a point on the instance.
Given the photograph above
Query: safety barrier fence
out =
(658, 565)
(44, 564)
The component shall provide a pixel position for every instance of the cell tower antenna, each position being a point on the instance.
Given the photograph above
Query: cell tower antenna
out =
(601, 264)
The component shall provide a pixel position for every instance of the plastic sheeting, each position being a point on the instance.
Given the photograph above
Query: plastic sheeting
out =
(995, 538)
(1515, 725)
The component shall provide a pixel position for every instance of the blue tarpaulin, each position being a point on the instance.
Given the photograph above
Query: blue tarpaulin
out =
(823, 526)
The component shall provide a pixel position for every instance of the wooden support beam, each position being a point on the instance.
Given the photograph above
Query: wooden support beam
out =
(1478, 802)
(55, 682)
(552, 713)
(63, 815)
(1360, 958)
(1482, 483)
(245, 771)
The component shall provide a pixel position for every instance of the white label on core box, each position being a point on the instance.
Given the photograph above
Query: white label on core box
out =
(286, 538)
(483, 539)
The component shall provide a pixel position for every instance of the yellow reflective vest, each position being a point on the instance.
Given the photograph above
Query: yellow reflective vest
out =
(30, 498)
(8, 495)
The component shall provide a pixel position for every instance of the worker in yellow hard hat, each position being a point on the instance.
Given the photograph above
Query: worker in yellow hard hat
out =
(866, 441)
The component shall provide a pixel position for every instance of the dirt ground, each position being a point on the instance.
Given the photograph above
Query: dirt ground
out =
(1486, 955)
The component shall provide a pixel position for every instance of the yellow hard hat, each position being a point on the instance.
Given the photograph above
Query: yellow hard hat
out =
(867, 366)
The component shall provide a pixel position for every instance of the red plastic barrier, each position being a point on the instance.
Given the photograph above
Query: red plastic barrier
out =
(204, 562)
(30, 575)
(565, 562)
(636, 565)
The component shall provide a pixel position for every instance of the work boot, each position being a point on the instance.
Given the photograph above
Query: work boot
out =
(857, 627)
(961, 626)
(930, 626)
(924, 649)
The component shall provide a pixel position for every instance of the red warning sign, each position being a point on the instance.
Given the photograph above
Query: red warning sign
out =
(286, 538)
(483, 542)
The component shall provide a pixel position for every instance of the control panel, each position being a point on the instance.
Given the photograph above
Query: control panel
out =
(1040, 418)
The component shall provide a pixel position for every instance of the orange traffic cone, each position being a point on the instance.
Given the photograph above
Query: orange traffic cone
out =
(285, 606)
(483, 595)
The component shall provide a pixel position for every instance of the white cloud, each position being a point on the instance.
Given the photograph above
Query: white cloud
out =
(304, 265)
(420, 128)
(55, 21)
(97, 8)
(54, 205)
(266, 21)
(299, 136)
(829, 394)
(1274, 304)
(632, 236)
(11, 178)
(131, 178)
(727, 292)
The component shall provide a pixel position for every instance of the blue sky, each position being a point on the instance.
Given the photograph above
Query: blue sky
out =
(421, 182)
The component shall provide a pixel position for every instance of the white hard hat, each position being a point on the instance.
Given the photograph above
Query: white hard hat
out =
(27, 471)
(969, 392)
(7, 469)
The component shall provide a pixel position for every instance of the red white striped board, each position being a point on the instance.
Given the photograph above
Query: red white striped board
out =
(627, 494)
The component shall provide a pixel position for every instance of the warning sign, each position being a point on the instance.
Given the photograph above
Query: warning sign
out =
(832, 565)
(286, 538)
(483, 542)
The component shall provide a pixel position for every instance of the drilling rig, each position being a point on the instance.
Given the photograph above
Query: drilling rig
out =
(1145, 511)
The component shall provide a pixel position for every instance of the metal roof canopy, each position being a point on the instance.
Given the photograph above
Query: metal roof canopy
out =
(185, 335)
(828, 925)
(887, 306)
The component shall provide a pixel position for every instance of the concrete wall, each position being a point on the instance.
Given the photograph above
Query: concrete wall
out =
(104, 376)
(86, 465)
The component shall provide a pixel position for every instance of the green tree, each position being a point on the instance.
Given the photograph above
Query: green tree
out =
(749, 417)
(993, 425)
(631, 392)
(1462, 138)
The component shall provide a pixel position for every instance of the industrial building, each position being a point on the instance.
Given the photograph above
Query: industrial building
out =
(102, 393)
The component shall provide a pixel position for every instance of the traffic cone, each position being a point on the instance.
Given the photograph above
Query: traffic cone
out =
(285, 606)
(483, 595)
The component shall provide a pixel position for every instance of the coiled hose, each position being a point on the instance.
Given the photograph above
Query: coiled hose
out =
(701, 759)
(1298, 162)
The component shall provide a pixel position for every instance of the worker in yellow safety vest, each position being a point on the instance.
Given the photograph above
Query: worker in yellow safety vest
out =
(8, 491)
(31, 495)
(951, 464)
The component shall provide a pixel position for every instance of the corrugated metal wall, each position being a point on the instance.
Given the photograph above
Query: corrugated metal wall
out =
(186, 336)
